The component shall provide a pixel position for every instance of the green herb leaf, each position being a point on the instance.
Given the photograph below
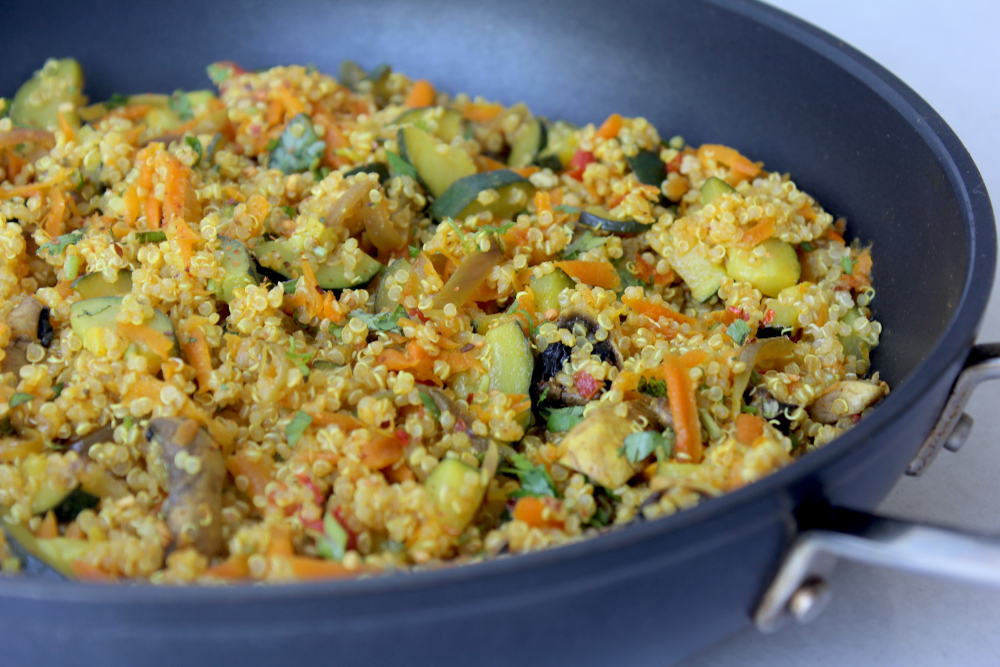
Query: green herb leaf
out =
(565, 208)
(605, 512)
(150, 237)
(127, 423)
(333, 544)
(738, 331)
(749, 409)
(795, 441)
(806, 246)
(181, 105)
(220, 72)
(561, 420)
(289, 286)
(848, 264)
(61, 242)
(271, 145)
(653, 387)
(399, 166)
(195, 144)
(638, 446)
(5, 428)
(535, 480)
(414, 250)
(300, 422)
(57, 389)
(20, 398)
(583, 243)
(628, 278)
(429, 403)
(299, 148)
(289, 211)
(300, 359)
(388, 322)
(116, 100)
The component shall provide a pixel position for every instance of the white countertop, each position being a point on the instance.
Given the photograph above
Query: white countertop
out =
(949, 53)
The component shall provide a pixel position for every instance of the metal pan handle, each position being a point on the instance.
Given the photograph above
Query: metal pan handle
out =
(800, 590)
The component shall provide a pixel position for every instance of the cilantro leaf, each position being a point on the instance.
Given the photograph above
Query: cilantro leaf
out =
(333, 544)
(221, 71)
(848, 264)
(628, 278)
(299, 148)
(806, 246)
(414, 250)
(20, 398)
(195, 144)
(429, 403)
(61, 242)
(653, 387)
(57, 389)
(116, 100)
(584, 242)
(399, 166)
(300, 422)
(289, 211)
(566, 208)
(638, 446)
(738, 331)
(181, 105)
(564, 419)
(535, 480)
(300, 359)
(388, 322)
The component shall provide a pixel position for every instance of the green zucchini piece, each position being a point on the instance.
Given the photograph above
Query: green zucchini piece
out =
(548, 288)
(529, 142)
(51, 490)
(511, 362)
(712, 188)
(648, 167)
(382, 300)
(443, 122)
(438, 165)
(460, 199)
(596, 217)
(90, 319)
(560, 146)
(853, 343)
(283, 259)
(239, 269)
(778, 269)
(371, 168)
(351, 74)
(703, 277)
(93, 285)
(75, 502)
(57, 553)
(457, 490)
(37, 102)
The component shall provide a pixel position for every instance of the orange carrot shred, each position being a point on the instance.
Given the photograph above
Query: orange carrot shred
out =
(599, 274)
(611, 127)
(684, 406)
(420, 95)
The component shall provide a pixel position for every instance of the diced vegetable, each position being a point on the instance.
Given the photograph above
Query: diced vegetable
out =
(712, 188)
(648, 167)
(457, 491)
(596, 217)
(443, 122)
(382, 299)
(438, 165)
(527, 144)
(37, 102)
(547, 289)
(561, 146)
(299, 148)
(75, 502)
(854, 345)
(511, 362)
(702, 276)
(846, 398)
(93, 319)
(93, 285)
(281, 257)
(376, 168)
(469, 275)
(594, 446)
(238, 267)
(778, 269)
(460, 199)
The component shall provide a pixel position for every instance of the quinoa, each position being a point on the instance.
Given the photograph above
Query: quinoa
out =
(260, 279)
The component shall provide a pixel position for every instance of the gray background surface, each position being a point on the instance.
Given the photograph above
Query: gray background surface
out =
(949, 53)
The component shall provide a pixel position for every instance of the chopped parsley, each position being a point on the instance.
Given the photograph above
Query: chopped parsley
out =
(220, 72)
(181, 105)
(414, 250)
(749, 409)
(388, 322)
(195, 145)
(653, 387)
(333, 544)
(535, 480)
(5, 428)
(583, 243)
(116, 100)
(20, 398)
(300, 422)
(57, 245)
(605, 512)
(300, 359)
(299, 148)
(289, 211)
(561, 420)
(806, 246)
(638, 446)
(430, 405)
(848, 264)
(57, 389)
(399, 166)
(738, 331)
(565, 208)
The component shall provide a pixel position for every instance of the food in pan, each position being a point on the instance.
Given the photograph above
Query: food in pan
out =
(307, 327)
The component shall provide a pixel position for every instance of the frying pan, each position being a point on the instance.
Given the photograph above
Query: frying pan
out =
(727, 71)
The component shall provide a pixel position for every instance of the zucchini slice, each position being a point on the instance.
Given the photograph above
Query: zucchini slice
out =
(457, 490)
(548, 288)
(37, 101)
(443, 122)
(93, 285)
(371, 168)
(560, 146)
(239, 269)
(438, 165)
(460, 200)
(596, 217)
(57, 553)
(703, 277)
(712, 188)
(648, 167)
(283, 259)
(527, 144)
(777, 269)
(92, 319)
(382, 299)
(511, 362)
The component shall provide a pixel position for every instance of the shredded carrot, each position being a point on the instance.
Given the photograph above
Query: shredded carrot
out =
(24, 190)
(281, 542)
(256, 471)
(155, 341)
(486, 163)
(15, 163)
(420, 95)
(195, 348)
(599, 274)
(531, 510)
(54, 219)
(153, 212)
(66, 128)
(316, 302)
(346, 422)
(655, 311)
(233, 568)
(304, 567)
(174, 191)
(757, 234)
(132, 111)
(132, 205)
(684, 406)
(48, 528)
(481, 112)
(86, 572)
(274, 113)
(611, 127)
(293, 106)
(543, 203)
(834, 235)
(381, 451)
(694, 357)
(749, 428)
(740, 167)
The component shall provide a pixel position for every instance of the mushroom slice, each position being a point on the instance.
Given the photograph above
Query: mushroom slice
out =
(195, 473)
(593, 446)
(846, 398)
(23, 319)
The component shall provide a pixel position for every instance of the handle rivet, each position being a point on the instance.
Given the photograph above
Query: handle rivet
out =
(809, 601)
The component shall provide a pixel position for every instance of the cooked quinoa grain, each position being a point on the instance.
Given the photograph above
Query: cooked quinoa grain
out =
(295, 328)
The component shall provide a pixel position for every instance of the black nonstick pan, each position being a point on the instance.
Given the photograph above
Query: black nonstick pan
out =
(727, 71)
